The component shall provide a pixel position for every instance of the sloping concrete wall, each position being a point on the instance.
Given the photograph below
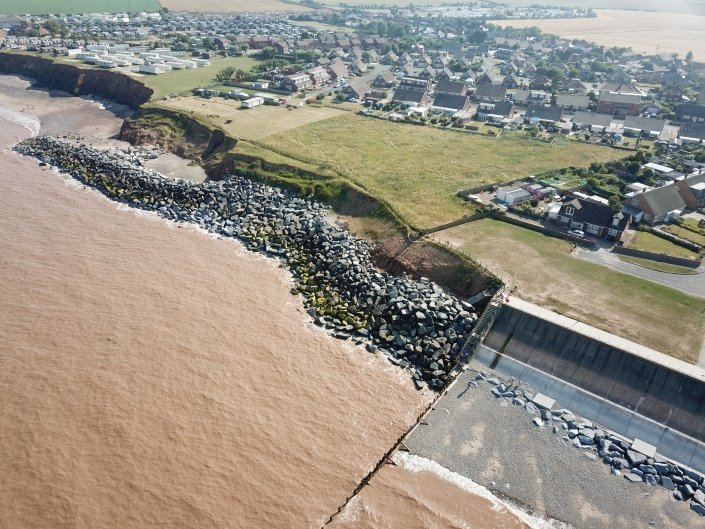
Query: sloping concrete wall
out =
(653, 391)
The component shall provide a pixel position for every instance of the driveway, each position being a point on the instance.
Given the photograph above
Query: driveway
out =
(690, 284)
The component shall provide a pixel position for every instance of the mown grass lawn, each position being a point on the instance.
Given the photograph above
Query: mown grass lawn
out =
(418, 170)
(648, 242)
(178, 81)
(544, 272)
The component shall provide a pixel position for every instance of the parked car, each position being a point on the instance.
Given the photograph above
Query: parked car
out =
(576, 233)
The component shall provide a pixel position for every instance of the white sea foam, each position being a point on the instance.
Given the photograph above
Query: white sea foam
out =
(27, 121)
(416, 463)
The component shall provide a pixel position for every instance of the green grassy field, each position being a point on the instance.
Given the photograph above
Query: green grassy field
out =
(418, 170)
(648, 242)
(178, 81)
(544, 272)
(43, 7)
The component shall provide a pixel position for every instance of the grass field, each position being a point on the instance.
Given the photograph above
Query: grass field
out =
(648, 242)
(228, 6)
(659, 267)
(252, 123)
(418, 170)
(545, 273)
(642, 31)
(43, 7)
(322, 26)
(178, 81)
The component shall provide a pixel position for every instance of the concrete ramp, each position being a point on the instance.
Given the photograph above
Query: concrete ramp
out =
(666, 391)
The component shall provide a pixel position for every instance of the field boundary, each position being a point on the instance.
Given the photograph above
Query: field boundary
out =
(659, 257)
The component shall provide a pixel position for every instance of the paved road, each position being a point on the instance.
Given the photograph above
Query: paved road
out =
(690, 284)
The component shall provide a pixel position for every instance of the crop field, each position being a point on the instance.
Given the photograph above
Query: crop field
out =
(253, 123)
(642, 31)
(43, 7)
(229, 6)
(418, 170)
(178, 81)
(545, 273)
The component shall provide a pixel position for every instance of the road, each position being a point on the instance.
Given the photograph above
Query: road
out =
(690, 284)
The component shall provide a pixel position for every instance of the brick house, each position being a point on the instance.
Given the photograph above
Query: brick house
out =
(593, 218)
(619, 104)
(692, 190)
(655, 205)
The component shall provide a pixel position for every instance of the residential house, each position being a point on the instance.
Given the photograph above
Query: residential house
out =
(591, 121)
(439, 62)
(412, 92)
(485, 79)
(357, 67)
(451, 87)
(338, 70)
(490, 93)
(384, 80)
(319, 75)
(542, 114)
(357, 90)
(511, 81)
(527, 97)
(449, 104)
(656, 205)
(540, 83)
(575, 86)
(444, 75)
(427, 73)
(297, 82)
(390, 58)
(619, 104)
(692, 133)
(572, 102)
(690, 112)
(637, 126)
(593, 218)
(495, 112)
(692, 189)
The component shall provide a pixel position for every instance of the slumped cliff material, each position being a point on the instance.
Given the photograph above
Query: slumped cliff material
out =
(417, 324)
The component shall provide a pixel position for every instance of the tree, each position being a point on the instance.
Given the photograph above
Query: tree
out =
(225, 74)
(689, 56)
(267, 53)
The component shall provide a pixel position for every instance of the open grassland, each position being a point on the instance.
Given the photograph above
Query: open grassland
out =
(178, 81)
(545, 273)
(322, 26)
(44, 7)
(642, 31)
(648, 242)
(252, 123)
(230, 6)
(418, 170)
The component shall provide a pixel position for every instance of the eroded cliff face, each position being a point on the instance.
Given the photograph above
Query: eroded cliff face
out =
(77, 81)
(175, 132)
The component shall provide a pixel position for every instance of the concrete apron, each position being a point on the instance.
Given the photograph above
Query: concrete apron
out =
(671, 444)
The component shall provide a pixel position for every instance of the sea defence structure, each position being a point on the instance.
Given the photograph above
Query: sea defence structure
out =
(632, 390)
(416, 324)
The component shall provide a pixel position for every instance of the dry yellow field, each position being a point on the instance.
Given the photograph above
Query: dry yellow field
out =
(228, 6)
(640, 30)
(253, 123)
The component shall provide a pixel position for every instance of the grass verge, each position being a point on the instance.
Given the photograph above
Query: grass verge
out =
(659, 267)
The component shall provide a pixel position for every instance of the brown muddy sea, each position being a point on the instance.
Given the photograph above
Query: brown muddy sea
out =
(154, 376)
